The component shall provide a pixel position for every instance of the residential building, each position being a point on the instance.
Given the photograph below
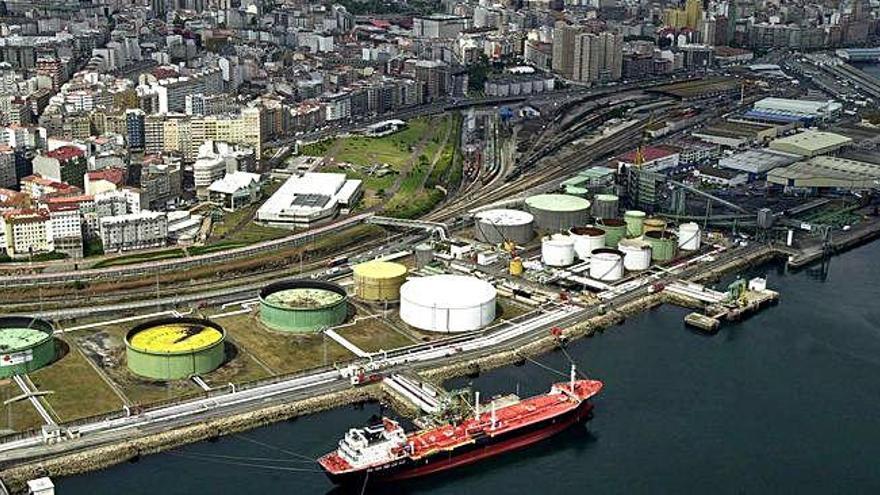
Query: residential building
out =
(135, 127)
(65, 164)
(147, 229)
(27, 232)
(67, 229)
(106, 179)
(8, 175)
(160, 184)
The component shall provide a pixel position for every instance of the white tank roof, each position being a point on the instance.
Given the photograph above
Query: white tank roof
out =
(447, 291)
(505, 217)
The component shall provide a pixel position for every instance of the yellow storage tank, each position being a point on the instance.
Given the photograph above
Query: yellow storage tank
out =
(379, 280)
(516, 266)
(655, 225)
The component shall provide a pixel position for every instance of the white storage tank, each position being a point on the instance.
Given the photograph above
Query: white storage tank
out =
(447, 303)
(636, 254)
(499, 225)
(606, 265)
(689, 236)
(557, 250)
(586, 239)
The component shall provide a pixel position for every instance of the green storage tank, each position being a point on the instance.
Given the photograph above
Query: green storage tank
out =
(615, 230)
(635, 222)
(303, 306)
(26, 345)
(175, 348)
(663, 245)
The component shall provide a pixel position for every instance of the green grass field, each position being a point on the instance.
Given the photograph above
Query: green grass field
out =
(86, 396)
(130, 259)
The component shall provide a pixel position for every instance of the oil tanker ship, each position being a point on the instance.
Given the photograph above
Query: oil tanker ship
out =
(384, 452)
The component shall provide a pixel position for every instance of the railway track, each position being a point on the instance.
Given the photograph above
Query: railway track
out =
(551, 169)
(200, 286)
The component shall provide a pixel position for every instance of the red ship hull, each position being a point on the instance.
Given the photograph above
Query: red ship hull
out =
(482, 449)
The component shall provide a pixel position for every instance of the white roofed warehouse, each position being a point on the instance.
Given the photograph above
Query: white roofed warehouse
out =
(808, 109)
(310, 198)
(235, 190)
(827, 172)
(810, 143)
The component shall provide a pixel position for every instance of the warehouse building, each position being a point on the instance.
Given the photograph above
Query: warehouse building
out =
(310, 198)
(805, 110)
(810, 143)
(757, 162)
(827, 172)
(737, 135)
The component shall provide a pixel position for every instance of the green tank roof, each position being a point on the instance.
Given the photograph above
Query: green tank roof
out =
(557, 202)
(304, 298)
(12, 339)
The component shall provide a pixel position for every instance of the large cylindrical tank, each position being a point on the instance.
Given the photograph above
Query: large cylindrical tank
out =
(497, 226)
(378, 281)
(615, 230)
(635, 222)
(636, 254)
(654, 225)
(175, 348)
(447, 303)
(663, 245)
(689, 236)
(303, 306)
(26, 345)
(606, 265)
(586, 239)
(557, 250)
(581, 192)
(558, 212)
(605, 205)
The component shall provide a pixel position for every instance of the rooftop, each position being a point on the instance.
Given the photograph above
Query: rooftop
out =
(231, 183)
(112, 174)
(811, 141)
(650, 154)
(24, 215)
(828, 171)
(65, 153)
(758, 161)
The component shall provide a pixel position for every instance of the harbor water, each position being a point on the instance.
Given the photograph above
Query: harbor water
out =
(786, 401)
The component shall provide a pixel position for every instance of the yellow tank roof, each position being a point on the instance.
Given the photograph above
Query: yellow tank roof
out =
(379, 269)
(175, 337)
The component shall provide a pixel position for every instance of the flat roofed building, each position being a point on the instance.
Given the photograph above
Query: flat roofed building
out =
(827, 172)
(809, 109)
(758, 162)
(309, 198)
(737, 134)
(810, 143)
